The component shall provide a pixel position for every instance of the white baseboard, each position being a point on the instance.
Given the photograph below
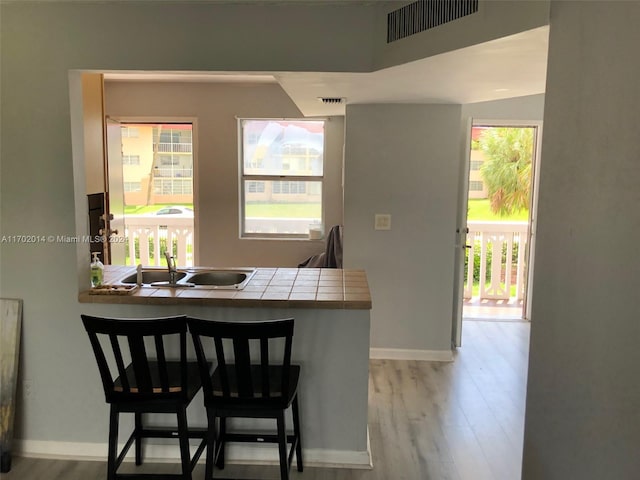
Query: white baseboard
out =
(236, 454)
(409, 354)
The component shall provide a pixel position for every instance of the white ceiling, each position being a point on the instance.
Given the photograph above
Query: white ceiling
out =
(512, 66)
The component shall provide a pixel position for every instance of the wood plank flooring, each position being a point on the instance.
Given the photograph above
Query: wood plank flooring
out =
(427, 420)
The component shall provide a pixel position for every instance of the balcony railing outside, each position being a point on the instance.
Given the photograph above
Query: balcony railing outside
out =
(174, 147)
(489, 241)
(505, 242)
(150, 232)
(173, 172)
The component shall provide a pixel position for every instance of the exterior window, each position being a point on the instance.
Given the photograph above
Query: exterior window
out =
(172, 140)
(289, 187)
(476, 186)
(172, 186)
(131, 159)
(168, 160)
(255, 187)
(475, 164)
(282, 163)
(132, 186)
(130, 132)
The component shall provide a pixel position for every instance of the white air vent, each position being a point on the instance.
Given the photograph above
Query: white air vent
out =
(332, 100)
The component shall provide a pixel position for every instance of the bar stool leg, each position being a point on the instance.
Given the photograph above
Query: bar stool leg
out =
(211, 444)
(112, 455)
(138, 430)
(221, 443)
(296, 431)
(183, 435)
(282, 444)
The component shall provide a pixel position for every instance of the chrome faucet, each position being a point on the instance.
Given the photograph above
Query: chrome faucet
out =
(171, 265)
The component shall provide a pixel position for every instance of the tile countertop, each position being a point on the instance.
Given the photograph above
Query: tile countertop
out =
(269, 287)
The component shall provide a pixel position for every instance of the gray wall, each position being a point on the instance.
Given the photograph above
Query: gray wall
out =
(404, 160)
(217, 107)
(582, 415)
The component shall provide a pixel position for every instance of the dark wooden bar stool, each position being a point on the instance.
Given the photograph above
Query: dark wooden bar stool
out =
(146, 382)
(239, 388)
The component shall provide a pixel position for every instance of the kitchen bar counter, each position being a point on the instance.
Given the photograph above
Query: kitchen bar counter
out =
(269, 287)
(332, 311)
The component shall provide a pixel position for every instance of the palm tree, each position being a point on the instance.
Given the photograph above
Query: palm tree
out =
(507, 168)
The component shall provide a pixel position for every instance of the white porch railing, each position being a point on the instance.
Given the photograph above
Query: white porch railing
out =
(147, 233)
(505, 242)
(175, 147)
(146, 230)
(499, 250)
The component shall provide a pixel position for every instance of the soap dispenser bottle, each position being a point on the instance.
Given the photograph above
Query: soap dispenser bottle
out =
(97, 270)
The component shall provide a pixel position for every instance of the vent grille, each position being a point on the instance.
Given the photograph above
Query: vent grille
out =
(331, 100)
(425, 14)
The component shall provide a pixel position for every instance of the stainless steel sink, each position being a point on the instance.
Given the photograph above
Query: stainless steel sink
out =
(218, 278)
(197, 277)
(151, 276)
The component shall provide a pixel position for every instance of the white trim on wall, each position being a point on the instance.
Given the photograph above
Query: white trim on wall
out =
(245, 454)
(410, 354)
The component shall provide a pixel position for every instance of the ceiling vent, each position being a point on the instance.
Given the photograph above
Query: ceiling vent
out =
(332, 100)
(425, 14)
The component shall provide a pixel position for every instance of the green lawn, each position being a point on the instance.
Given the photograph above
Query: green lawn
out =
(290, 210)
(139, 210)
(265, 210)
(480, 210)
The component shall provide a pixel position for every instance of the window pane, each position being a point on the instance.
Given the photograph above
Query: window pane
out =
(282, 147)
(282, 207)
(129, 132)
(132, 186)
(476, 164)
(476, 186)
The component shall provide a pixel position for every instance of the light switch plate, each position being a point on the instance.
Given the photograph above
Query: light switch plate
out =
(382, 221)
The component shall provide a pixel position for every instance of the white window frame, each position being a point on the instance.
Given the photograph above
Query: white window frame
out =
(243, 178)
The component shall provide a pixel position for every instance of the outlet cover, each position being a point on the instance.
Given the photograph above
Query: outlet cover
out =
(382, 221)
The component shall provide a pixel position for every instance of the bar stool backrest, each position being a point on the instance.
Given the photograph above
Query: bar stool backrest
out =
(256, 376)
(135, 367)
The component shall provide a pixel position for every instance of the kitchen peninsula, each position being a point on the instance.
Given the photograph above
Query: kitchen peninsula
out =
(285, 287)
(331, 308)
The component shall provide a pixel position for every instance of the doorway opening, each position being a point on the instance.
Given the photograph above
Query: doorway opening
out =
(151, 172)
(500, 221)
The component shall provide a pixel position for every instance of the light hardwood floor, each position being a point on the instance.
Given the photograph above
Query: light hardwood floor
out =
(428, 421)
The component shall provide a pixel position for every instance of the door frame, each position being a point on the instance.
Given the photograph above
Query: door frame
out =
(113, 217)
(167, 119)
(461, 238)
(533, 219)
(461, 233)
